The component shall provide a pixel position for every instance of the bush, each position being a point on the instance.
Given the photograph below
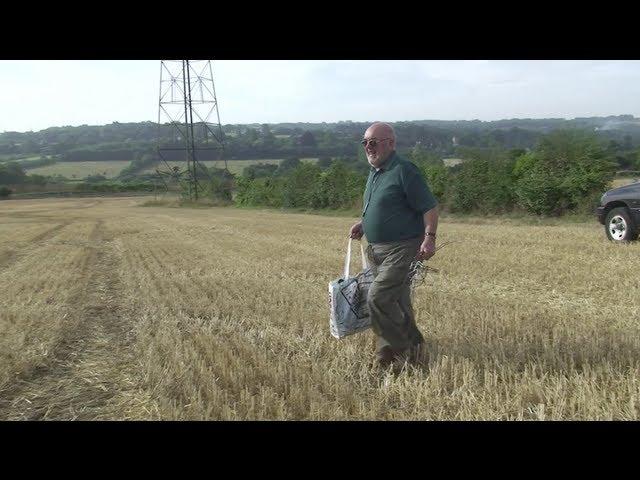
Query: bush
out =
(483, 184)
(437, 178)
(287, 165)
(5, 191)
(300, 185)
(35, 179)
(12, 173)
(330, 189)
(259, 192)
(259, 170)
(219, 187)
(324, 162)
(566, 172)
(95, 178)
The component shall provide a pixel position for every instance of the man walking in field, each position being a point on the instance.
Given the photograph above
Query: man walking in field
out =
(399, 219)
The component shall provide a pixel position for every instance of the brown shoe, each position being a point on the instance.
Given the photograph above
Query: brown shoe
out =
(385, 357)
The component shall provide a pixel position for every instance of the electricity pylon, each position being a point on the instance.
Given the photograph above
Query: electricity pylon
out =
(189, 129)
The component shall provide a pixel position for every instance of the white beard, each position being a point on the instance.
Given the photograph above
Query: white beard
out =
(373, 161)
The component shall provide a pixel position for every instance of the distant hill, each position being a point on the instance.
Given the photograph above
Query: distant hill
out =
(131, 141)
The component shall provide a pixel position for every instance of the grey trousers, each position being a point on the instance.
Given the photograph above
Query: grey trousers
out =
(389, 300)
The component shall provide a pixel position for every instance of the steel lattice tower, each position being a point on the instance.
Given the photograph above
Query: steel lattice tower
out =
(188, 129)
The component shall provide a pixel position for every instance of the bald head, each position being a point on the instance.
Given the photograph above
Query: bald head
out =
(382, 143)
(380, 130)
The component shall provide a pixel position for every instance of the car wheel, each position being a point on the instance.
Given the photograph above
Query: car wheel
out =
(619, 226)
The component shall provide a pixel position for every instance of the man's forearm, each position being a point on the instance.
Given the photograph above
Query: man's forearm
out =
(431, 220)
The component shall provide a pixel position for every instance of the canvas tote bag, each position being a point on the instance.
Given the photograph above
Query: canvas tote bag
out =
(348, 299)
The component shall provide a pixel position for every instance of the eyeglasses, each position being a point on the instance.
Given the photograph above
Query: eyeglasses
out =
(372, 142)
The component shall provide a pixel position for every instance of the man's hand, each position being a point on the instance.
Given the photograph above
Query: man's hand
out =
(356, 231)
(427, 249)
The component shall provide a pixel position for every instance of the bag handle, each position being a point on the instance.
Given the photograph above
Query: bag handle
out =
(347, 260)
(365, 264)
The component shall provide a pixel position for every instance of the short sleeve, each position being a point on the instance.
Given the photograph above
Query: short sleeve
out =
(418, 193)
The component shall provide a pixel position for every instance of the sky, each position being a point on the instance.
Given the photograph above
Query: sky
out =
(37, 94)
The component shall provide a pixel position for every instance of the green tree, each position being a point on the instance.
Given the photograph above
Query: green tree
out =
(568, 170)
(35, 179)
(12, 173)
(308, 139)
(437, 178)
(327, 139)
(252, 135)
(421, 156)
(324, 162)
(300, 185)
(483, 182)
(268, 138)
(219, 187)
(331, 189)
(287, 165)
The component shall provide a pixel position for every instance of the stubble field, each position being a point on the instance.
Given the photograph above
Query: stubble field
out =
(111, 310)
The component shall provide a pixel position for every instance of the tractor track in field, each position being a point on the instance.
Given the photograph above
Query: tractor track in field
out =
(91, 372)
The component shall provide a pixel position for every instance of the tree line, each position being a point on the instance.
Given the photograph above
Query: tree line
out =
(566, 172)
(130, 141)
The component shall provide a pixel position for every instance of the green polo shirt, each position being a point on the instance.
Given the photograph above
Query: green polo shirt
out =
(395, 200)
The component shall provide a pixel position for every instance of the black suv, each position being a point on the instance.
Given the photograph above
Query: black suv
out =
(619, 212)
